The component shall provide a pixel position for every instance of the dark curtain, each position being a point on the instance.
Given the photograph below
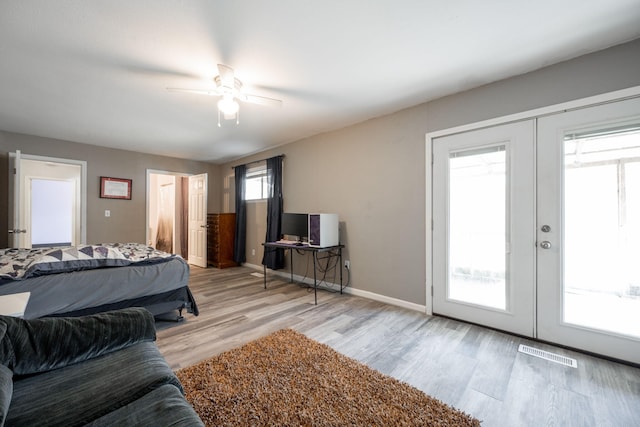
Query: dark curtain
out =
(240, 241)
(184, 218)
(274, 259)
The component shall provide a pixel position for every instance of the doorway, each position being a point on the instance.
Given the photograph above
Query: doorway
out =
(47, 201)
(536, 230)
(174, 200)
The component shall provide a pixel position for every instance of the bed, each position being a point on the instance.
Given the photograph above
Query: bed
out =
(73, 281)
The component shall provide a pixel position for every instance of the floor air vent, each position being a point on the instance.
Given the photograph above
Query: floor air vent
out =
(566, 361)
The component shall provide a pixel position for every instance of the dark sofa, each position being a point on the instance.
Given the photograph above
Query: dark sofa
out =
(98, 370)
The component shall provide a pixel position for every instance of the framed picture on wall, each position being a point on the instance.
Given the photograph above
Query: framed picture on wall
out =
(115, 188)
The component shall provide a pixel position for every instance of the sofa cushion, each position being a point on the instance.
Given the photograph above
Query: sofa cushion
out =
(6, 391)
(38, 345)
(164, 406)
(6, 382)
(81, 393)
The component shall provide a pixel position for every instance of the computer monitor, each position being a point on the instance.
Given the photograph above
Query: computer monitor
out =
(295, 226)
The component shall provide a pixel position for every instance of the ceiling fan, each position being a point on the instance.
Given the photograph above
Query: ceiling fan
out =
(229, 88)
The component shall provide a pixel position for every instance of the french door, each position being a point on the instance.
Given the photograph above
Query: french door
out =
(483, 235)
(589, 229)
(537, 228)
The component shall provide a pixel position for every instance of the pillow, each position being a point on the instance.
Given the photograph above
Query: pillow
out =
(75, 258)
(39, 345)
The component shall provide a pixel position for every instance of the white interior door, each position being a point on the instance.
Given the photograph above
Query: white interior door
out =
(15, 199)
(589, 229)
(483, 227)
(198, 220)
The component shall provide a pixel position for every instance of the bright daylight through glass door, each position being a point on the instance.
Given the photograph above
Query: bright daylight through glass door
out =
(477, 226)
(483, 226)
(602, 231)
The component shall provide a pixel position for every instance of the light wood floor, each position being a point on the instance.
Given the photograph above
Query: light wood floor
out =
(471, 368)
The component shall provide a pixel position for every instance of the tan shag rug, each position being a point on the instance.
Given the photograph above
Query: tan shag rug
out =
(287, 379)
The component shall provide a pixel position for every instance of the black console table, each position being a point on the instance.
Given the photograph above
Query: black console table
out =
(331, 251)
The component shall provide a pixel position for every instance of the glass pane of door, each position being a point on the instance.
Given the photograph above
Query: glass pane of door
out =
(602, 234)
(477, 226)
(52, 205)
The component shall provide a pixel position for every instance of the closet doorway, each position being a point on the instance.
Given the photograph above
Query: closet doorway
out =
(173, 201)
(165, 218)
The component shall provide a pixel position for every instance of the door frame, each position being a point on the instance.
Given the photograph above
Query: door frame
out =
(14, 209)
(183, 197)
(605, 98)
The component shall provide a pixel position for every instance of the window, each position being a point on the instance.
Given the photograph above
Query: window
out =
(257, 186)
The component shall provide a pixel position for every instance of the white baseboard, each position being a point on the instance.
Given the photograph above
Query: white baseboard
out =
(348, 290)
(387, 300)
(254, 266)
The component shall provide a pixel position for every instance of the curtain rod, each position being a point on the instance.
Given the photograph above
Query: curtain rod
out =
(257, 161)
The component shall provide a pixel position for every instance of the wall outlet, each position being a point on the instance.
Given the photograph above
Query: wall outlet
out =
(253, 252)
(107, 213)
(347, 264)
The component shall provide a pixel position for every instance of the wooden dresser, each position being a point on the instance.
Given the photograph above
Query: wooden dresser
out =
(221, 231)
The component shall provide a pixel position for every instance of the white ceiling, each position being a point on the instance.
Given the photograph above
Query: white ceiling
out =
(97, 71)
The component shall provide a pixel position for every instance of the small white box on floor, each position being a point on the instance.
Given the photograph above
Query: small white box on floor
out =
(323, 230)
(14, 304)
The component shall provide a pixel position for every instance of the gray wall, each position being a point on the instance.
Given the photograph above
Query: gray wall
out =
(127, 222)
(373, 174)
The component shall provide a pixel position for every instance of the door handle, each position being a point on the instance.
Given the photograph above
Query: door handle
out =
(17, 231)
(545, 245)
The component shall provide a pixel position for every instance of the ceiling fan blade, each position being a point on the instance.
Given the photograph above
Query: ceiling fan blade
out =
(260, 100)
(212, 92)
(227, 77)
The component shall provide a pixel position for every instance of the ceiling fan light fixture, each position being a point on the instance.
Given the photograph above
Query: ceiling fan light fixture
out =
(229, 88)
(228, 106)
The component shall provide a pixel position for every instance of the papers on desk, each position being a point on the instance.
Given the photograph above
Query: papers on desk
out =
(292, 242)
(14, 304)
